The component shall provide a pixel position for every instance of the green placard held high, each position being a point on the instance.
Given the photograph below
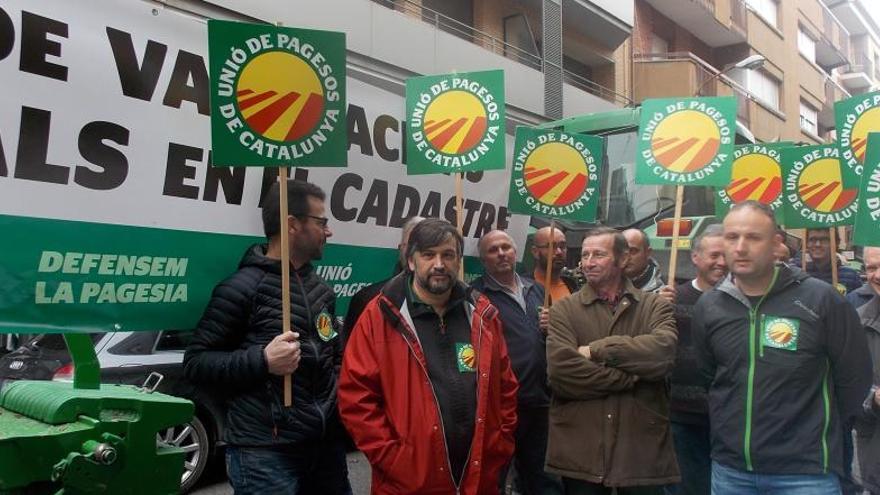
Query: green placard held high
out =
(686, 142)
(555, 174)
(854, 118)
(756, 174)
(455, 122)
(277, 96)
(867, 227)
(819, 191)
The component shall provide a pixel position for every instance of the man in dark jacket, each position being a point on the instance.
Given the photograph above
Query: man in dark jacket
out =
(819, 247)
(359, 301)
(788, 366)
(519, 301)
(688, 398)
(868, 425)
(426, 389)
(239, 348)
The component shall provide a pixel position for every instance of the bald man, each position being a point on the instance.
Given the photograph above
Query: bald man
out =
(542, 248)
(642, 269)
(518, 299)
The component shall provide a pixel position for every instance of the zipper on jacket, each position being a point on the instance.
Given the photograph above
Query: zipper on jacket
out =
(826, 402)
(437, 405)
(754, 340)
(476, 415)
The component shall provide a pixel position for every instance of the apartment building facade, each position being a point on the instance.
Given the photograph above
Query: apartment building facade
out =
(862, 73)
(690, 47)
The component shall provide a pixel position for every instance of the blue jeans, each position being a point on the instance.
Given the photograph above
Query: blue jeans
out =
(729, 481)
(298, 471)
(692, 449)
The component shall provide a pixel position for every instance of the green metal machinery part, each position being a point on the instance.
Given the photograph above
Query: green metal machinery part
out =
(84, 437)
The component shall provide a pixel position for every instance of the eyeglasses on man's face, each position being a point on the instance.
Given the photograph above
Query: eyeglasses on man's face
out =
(322, 221)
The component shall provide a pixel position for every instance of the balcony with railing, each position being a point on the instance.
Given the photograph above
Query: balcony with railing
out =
(529, 56)
(859, 74)
(832, 46)
(683, 74)
(715, 22)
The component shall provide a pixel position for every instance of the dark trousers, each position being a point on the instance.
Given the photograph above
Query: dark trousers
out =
(531, 449)
(320, 468)
(581, 487)
(692, 450)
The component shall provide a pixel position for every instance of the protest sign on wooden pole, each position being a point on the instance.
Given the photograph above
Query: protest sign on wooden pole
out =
(254, 85)
(685, 141)
(459, 215)
(833, 238)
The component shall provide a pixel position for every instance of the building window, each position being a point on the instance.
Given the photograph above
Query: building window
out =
(807, 46)
(809, 118)
(768, 9)
(761, 85)
(658, 44)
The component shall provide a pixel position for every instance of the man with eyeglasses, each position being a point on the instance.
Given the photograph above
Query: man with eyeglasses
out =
(238, 348)
(819, 247)
(609, 350)
(543, 248)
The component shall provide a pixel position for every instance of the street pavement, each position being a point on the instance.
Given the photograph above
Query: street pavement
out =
(214, 481)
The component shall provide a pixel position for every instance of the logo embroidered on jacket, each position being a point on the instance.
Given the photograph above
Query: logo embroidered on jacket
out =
(780, 333)
(467, 358)
(324, 325)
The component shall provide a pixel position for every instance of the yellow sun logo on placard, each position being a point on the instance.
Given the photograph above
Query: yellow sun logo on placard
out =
(868, 122)
(821, 187)
(686, 141)
(757, 177)
(455, 122)
(556, 174)
(281, 109)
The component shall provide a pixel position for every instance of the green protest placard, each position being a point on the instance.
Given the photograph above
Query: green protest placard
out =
(455, 122)
(277, 95)
(756, 174)
(555, 174)
(867, 227)
(686, 142)
(819, 191)
(855, 117)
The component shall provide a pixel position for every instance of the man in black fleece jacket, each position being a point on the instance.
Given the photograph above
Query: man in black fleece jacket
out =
(239, 348)
(788, 364)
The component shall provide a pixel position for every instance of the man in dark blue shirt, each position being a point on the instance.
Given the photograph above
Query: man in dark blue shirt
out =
(519, 300)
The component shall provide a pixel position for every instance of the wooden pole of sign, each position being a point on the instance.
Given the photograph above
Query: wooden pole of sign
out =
(833, 239)
(676, 223)
(459, 215)
(285, 274)
(548, 277)
(804, 251)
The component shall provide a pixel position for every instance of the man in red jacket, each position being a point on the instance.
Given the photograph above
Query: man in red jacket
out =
(426, 389)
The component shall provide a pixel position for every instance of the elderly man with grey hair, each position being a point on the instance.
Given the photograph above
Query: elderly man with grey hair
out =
(524, 323)
(688, 405)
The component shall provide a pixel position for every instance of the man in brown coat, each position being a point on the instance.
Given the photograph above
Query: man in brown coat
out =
(609, 350)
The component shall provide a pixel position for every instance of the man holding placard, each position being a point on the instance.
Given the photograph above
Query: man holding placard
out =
(787, 365)
(821, 257)
(238, 347)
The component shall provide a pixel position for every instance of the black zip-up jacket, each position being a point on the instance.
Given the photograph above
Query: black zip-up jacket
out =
(226, 354)
(785, 374)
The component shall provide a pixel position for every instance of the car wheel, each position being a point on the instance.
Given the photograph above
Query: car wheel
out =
(193, 439)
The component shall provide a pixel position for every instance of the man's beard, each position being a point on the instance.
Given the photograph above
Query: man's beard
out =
(436, 285)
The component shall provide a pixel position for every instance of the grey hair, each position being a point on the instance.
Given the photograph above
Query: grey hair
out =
(712, 230)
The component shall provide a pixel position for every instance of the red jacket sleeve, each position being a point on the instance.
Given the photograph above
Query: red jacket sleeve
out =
(361, 403)
(509, 387)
